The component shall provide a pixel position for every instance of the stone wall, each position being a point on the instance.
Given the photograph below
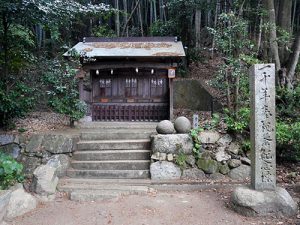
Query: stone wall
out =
(173, 156)
(190, 94)
(39, 149)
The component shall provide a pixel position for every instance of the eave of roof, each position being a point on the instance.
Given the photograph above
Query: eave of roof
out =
(135, 47)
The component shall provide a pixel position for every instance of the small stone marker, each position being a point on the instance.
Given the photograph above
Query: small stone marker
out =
(195, 121)
(263, 140)
(263, 197)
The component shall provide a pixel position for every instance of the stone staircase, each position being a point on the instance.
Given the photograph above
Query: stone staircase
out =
(107, 153)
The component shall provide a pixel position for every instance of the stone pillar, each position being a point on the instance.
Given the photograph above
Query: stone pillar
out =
(263, 140)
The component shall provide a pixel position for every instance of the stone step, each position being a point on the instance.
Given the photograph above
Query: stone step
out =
(69, 187)
(111, 165)
(85, 181)
(114, 144)
(117, 134)
(117, 125)
(112, 155)
(108, 174)
(105, 194)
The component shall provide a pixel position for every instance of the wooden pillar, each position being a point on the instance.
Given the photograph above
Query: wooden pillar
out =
(171, 98)
(80, 84)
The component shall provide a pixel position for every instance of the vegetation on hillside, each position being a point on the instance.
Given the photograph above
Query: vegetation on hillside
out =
(34, 34)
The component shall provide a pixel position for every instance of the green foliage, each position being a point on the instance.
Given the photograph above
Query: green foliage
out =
(103, 31)
(288, 140)
(238, 123)
(10, 171)
(213, 123)
(288, 103)
(197, 143)
(160, 28)
(246, 145)
(180, 160)
(231, 35)
(63, 92)
(16, 101)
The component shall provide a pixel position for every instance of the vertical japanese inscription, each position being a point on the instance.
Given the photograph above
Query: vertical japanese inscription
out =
(262, 125)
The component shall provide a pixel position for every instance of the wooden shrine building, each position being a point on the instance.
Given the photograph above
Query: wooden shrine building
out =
(128, 79)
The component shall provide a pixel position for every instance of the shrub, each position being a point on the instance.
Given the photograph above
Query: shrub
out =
(288, 140)
(288, 103)
(238, 123)
(10, 171)
(16, 99)
(63, 95)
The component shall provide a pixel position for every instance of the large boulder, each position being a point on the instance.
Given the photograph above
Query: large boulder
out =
(209, 137)
(44, 180)
(249, 202)
(61, 163)
(165, 127)
(240, 173)
(172, 143)
(20, 203)
(164, 171)
(35, 144)
(209, 166)
(193, 174)
(57, 144)
(4, 201)
(182, 125)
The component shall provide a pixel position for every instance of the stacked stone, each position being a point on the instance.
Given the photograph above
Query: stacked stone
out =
(171, 140)
(220, 155)
(51, 149)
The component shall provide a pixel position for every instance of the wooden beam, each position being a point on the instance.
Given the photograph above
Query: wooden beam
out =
(171, 98)
(121, 65)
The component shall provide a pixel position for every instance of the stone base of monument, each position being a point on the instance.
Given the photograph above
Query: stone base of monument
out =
(250, 202)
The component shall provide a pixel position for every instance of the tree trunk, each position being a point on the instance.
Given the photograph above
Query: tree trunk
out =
(294, 13)
(259, 35)
(154, 11)
(273, 35)
(5, 45)
(117, 18)
(215, 25)
(141, 20)
(198, 27)
(293, 61)
(285, 23)
(132, 12)
(125, 15)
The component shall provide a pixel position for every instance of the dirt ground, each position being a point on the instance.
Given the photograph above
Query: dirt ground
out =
(168, 208)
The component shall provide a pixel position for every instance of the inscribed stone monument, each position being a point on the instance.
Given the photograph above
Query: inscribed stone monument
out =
(262, 86)
(263, 197)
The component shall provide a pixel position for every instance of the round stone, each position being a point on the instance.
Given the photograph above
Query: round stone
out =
(165, 127)
(182, 125)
